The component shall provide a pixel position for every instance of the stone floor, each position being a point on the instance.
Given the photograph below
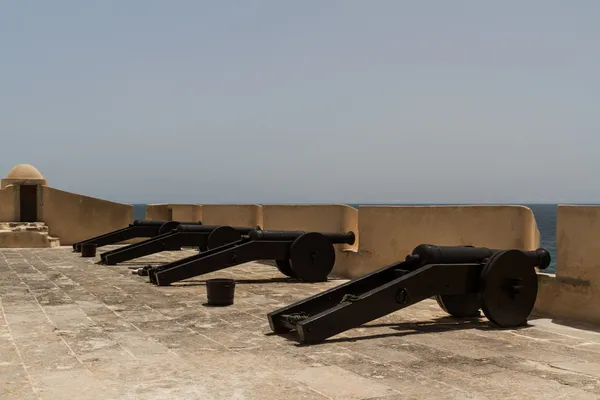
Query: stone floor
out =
(71, 329)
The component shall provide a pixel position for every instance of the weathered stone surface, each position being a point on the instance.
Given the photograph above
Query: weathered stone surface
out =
(26, 235)
(71, 329)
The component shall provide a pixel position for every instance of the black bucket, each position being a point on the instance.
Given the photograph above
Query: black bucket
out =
(219, 292)
(88, 250)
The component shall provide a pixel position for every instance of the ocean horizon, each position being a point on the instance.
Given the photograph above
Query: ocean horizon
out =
(545, 216)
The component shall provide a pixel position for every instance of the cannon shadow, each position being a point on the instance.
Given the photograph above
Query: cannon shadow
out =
(567, 323)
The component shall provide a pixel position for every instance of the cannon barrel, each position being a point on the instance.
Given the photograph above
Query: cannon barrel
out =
(146, 222)
(209, 228)
(431, 254)
(195, 228)
(336, 238)
(542, 257)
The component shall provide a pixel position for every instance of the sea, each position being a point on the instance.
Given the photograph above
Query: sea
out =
(545, 216)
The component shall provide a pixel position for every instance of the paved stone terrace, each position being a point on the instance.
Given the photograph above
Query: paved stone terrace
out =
(71, 329)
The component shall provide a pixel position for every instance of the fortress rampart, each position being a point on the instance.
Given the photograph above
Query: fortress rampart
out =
(384, 234)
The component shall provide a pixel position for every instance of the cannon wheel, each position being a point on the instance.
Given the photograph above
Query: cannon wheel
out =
(285, 268)
(221, 236)
(460, 305)
(312, 257)
(510, 288)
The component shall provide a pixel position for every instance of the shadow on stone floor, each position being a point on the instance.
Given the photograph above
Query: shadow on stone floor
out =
(568, 323)
(132, 264)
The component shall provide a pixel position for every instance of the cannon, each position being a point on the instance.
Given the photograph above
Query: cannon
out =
(139, 229)
(307, 256)
(463, 279)
(203, 237)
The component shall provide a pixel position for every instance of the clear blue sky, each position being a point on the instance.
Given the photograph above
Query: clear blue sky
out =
(305, 101)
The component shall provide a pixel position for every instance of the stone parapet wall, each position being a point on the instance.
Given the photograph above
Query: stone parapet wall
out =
(573, 292)
(73, 217)
(174, 212)
(233, 214)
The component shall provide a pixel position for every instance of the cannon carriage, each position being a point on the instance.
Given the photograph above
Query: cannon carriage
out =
(463, 279)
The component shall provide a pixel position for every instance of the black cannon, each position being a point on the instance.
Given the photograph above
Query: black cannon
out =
(139, 229)
(203, 237)
(503, 283)
(308, 256)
